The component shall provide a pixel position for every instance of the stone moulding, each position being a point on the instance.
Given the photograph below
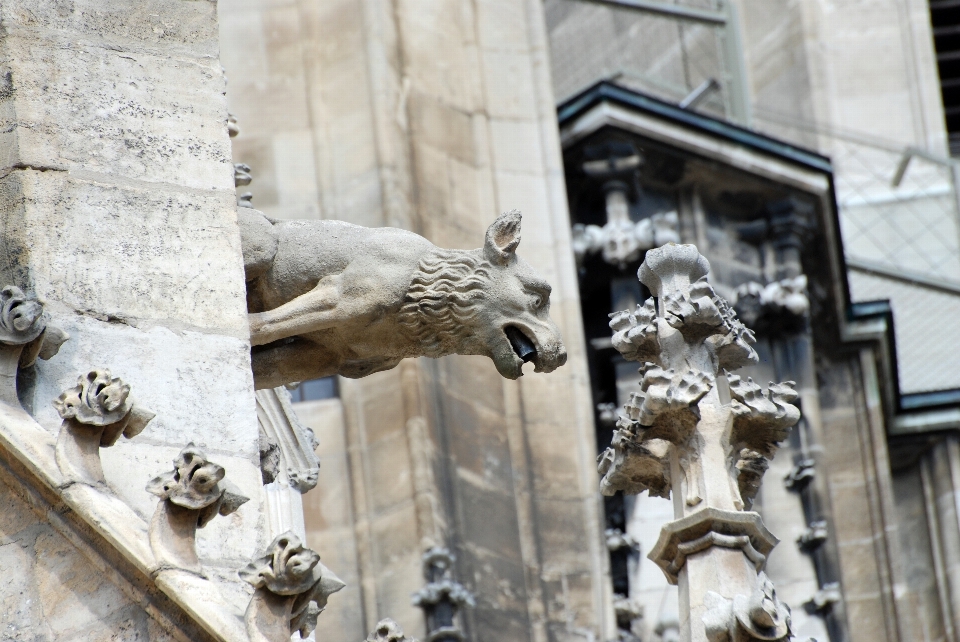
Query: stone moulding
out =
(292, 587)
(711, 527)
(95, 413)
(298, 466)
(191, 495)
(104, 527)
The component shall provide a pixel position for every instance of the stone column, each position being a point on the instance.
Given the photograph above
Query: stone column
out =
(703, 435)
(117, 210)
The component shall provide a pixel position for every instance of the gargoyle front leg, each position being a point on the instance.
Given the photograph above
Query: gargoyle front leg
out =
(309, 312)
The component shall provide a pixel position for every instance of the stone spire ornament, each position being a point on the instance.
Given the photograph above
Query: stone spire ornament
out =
(442, 597)
(704, 436)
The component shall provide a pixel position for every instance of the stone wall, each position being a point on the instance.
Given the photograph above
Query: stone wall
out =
(118, 211)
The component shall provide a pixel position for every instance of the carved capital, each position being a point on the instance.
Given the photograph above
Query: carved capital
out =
(292, 588)
(95, 413)
(758, 617)
(711, 527)
(191, 495)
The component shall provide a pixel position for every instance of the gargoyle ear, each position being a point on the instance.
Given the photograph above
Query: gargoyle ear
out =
(503, 237)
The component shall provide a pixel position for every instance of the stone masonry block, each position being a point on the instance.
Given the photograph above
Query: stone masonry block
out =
(78, 239)
(130, 114)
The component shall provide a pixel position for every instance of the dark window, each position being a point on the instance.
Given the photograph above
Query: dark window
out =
(945, 16)
(315, 390)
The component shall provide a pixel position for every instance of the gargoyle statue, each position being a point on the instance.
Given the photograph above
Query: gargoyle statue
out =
(328, 297)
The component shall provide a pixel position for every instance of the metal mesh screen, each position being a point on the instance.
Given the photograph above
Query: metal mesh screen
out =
(662, 56)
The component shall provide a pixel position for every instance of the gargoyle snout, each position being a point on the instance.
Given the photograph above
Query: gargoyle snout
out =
(551, 357)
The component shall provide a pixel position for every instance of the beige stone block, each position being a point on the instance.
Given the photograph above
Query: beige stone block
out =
(435, 123)
(497, 581)
(329, 505)
(433, 197)
(158, 124)
(503, 626)
(851, 513)
(396, 538)
(78, 240)
(502, 25)
(296, 172)
(509, 85)
(470, 374)
(281, 42)
(556, 462)
(199, 385)
(242, 51)
(490, 517)
(257, 151)
(342, 617)
(867, 618)
(72, 594)
(325, 418)
(563, 535)
(516, 146)
(430, 27)
(468, 192)
(388, 473)
(264, 107)
(860, 575)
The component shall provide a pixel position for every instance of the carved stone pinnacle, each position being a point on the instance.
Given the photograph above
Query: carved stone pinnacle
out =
(704, 436)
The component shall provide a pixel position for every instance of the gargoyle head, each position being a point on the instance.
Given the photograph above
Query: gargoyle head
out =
(486, 302)
(516, 319)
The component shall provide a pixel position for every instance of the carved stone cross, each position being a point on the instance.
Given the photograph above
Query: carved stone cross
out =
(703, 435)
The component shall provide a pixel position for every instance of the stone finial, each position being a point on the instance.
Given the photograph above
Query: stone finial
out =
(442, 597)
(95, 413)
(191, 495)
(25, 335)
(292, 588)
(705, 435)
(388, 631)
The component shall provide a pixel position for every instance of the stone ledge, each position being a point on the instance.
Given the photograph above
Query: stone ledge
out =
(707, 528)
(103, 528)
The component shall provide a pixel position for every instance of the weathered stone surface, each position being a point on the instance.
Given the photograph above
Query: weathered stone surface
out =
(356, 301)
(54, 592)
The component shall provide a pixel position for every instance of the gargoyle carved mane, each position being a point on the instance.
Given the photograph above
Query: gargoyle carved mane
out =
(443, 297)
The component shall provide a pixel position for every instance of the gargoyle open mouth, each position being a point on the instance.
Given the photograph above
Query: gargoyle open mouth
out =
(522, 345)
